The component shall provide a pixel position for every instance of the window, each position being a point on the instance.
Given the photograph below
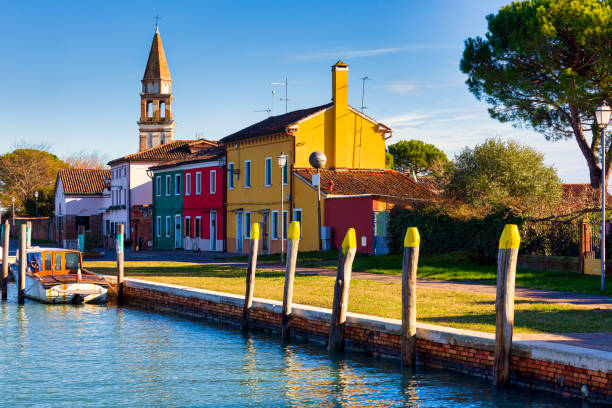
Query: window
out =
(158, 226)
(47, 261)
(199, 182)
(177, 184)
(168, 178)
(286, 174)
(247, 173)
(297, 216)
(230, 175)
(158, 186)
(149, 109)
(125, 171)
(162, 110)
(198, 227)
(72, 261)
(82, 220)
(213, 181)
(58, 261)
(167, 225)
(247, 224)
(188, 227)
(285, 223)
(187, 183)
(274, 225)
(268, 178)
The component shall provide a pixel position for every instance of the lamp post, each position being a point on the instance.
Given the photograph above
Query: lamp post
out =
(13, 200)
(282, 162)
(318, 160)
(602, 115)
(36, 213)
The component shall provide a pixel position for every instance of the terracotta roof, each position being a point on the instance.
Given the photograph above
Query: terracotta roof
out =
(157, 66)
(377, 182)
(82, 181)
(175, 150)
(211, 153)
(274, 124)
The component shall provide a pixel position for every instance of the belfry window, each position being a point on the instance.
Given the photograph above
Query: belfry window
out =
(149, 109)
(162, 110)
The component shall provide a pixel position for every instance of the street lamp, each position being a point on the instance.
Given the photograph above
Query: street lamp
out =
(282, 162)
(318, 160)
(36, 197)
(602, 115)
(13, 200)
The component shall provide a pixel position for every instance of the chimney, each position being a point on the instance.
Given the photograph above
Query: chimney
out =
(342, 149)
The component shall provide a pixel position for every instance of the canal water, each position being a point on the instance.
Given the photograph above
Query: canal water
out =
(53, 355)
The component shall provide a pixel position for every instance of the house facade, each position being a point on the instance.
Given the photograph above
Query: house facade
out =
(81, 196)
(347, 137)
(188, 202)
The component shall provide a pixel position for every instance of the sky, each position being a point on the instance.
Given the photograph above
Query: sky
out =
(71, 71)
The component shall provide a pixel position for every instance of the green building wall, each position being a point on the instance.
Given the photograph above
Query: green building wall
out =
(167, 202)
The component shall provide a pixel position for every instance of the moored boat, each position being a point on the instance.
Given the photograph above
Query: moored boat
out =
(55, 275)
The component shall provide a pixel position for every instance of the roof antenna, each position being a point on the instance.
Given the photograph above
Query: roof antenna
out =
(286, 85)
(364, 79)
(264, 110)
(157, 18)
(362, 107)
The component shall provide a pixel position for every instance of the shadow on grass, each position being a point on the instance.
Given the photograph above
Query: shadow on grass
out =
(190, 271)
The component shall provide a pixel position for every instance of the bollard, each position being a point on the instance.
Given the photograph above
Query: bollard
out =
(250, 276)
(119, 246)
(28, 234)
(82, 238)
(504, 302)
(412, 240)
(292, 252)
(23, 260)
(5, 261)
(341, 291)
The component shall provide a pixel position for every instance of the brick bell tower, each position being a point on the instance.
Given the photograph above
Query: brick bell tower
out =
(156, 125)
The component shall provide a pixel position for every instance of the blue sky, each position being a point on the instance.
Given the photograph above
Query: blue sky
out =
(71, 70)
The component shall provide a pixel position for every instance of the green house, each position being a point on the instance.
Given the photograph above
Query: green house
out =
(167, 208)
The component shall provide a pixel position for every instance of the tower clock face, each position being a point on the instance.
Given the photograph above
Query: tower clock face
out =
(164, 88)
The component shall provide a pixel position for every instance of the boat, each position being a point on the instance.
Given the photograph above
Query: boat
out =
(56, 275)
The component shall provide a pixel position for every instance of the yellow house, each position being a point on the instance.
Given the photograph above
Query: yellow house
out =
(348, 138)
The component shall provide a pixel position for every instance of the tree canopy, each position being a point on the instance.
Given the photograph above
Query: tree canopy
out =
(547, 64)
(498, 173)
(417, 156)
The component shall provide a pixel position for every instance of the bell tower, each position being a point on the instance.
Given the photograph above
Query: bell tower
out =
(156, 125)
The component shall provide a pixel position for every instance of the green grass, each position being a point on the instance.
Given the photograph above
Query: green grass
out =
(464, 310)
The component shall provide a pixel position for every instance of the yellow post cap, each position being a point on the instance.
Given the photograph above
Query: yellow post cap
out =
(350, 240)
(412, 238)
(255, 230)
(510, 238)
(294, 230)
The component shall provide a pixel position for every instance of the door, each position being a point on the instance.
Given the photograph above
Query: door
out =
(265, 231)
(213, 230)
(177, 231)
(239, 231)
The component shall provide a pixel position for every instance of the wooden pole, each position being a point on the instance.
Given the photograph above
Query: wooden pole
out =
(5, 260)
(120, 252)
(28, 234)
(250, 276)
(23, 260)
(81, 238)
(341, 291)
(292, 252)
(412, 240)
(504, 303)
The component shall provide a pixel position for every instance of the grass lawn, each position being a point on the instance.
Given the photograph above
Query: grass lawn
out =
(455, 266)
(448, 308)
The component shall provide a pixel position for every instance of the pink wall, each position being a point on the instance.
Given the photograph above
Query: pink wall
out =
(344, 213)
(199, 205)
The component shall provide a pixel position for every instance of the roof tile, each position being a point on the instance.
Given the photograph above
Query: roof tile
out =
(175, 150)
(83, 181)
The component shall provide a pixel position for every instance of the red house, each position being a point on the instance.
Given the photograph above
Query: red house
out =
(203, 198)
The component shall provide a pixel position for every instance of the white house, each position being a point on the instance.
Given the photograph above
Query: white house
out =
(81, 197)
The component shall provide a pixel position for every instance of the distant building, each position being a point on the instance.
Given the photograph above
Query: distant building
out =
(142, 226)
(81, 197)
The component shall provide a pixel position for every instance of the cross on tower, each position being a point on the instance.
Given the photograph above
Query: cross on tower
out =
(157, 18)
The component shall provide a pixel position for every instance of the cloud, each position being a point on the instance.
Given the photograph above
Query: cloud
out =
(371, 52)
(405, 86)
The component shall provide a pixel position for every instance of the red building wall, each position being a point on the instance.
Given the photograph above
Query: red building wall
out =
(200, 205)
(351, 212)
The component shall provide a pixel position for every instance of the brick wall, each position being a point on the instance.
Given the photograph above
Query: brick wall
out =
(452, 349)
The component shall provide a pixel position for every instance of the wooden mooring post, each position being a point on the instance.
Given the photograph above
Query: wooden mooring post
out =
(412, 240)
(6, 233)
(250, 276)
(120, 259)
(504, 302)
(292, 252)
(341, 292)
(23, 261)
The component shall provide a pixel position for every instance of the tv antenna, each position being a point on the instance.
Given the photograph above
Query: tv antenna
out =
(286, 85)
(268, 110)
(364, 79)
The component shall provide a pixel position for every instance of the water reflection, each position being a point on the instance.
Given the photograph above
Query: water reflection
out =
(92, 355)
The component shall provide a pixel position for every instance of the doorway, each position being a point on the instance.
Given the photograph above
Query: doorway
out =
(177, 231)
(213, 230)
(239, 231)
(265, 231)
